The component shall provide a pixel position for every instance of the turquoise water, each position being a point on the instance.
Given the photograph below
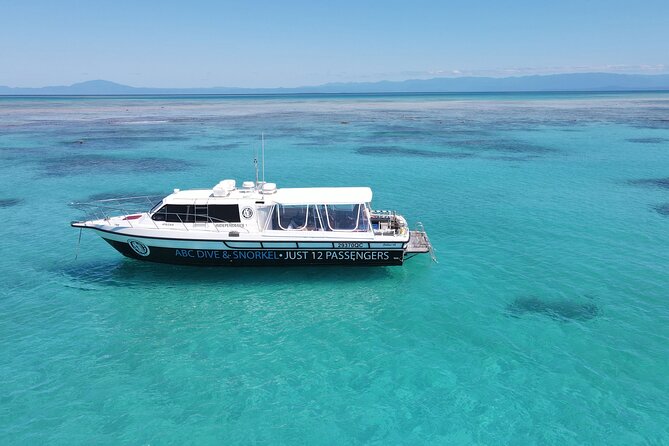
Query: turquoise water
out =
(546, 320)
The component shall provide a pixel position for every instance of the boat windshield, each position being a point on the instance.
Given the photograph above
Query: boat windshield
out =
(156, 207)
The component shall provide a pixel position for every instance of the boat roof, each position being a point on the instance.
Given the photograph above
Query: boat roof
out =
(322, 195)
(286, 196)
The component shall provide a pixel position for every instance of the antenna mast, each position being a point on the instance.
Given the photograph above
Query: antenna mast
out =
(262, 136)
(255, 163)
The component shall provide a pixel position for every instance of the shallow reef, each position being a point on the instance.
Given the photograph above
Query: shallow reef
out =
(662, 209)
(651, 182)
(215, 147)
(555, 309)
(9, 202)
(504, 145)
(81, 164)
(649, 140)
(400, 151)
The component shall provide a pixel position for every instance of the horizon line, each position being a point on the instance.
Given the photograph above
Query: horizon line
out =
(324, 93)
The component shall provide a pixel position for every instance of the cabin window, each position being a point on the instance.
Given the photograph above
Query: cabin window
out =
(321, 217)
(200, 213)
(185, 213)
(314, 219)
(174, 213)
(159, 215)
(291, 217)
(166, 213)
(228, 213)
(343, 217)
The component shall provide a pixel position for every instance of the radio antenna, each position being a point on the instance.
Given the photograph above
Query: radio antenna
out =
(255, 163)
(262, 137)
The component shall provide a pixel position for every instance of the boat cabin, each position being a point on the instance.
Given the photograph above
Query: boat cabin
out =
(265, 208)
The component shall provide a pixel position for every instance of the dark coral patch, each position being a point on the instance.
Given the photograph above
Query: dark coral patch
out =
(662, 209)
(662, 183)
(9, 202)
(512, 158)
(215, 147)
(121, 140)
(81, 164)
(555, 309)
(400, 151)
(504, 145)
(648, 140)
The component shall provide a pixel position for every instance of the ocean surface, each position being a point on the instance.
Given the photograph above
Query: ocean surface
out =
(545, 322)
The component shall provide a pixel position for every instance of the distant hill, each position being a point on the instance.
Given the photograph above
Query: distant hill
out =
(551, 82)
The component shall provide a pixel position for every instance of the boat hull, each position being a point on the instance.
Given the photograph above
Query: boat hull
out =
(145, 250)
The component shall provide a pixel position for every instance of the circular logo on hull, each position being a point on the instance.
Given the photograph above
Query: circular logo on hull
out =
(139, 247)
(247, 212)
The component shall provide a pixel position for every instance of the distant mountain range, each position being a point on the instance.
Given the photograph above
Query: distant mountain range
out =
(551, 82)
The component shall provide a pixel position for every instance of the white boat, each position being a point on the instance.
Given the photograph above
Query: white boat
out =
(258, 224)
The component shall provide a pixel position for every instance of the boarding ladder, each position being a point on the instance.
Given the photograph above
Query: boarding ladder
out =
(419, 243)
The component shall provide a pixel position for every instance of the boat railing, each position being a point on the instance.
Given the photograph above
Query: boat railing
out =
(113, 207)
(108, 208)
(383, 213)
(387, 222)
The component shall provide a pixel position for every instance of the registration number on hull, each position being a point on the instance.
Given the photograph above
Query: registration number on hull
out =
(349, 245)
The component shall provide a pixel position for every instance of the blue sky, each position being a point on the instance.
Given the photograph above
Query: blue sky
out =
(293, 43)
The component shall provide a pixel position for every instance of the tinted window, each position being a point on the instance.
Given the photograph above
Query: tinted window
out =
(160, 214)
(224, 212)
(185, 213)
(179, 213)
